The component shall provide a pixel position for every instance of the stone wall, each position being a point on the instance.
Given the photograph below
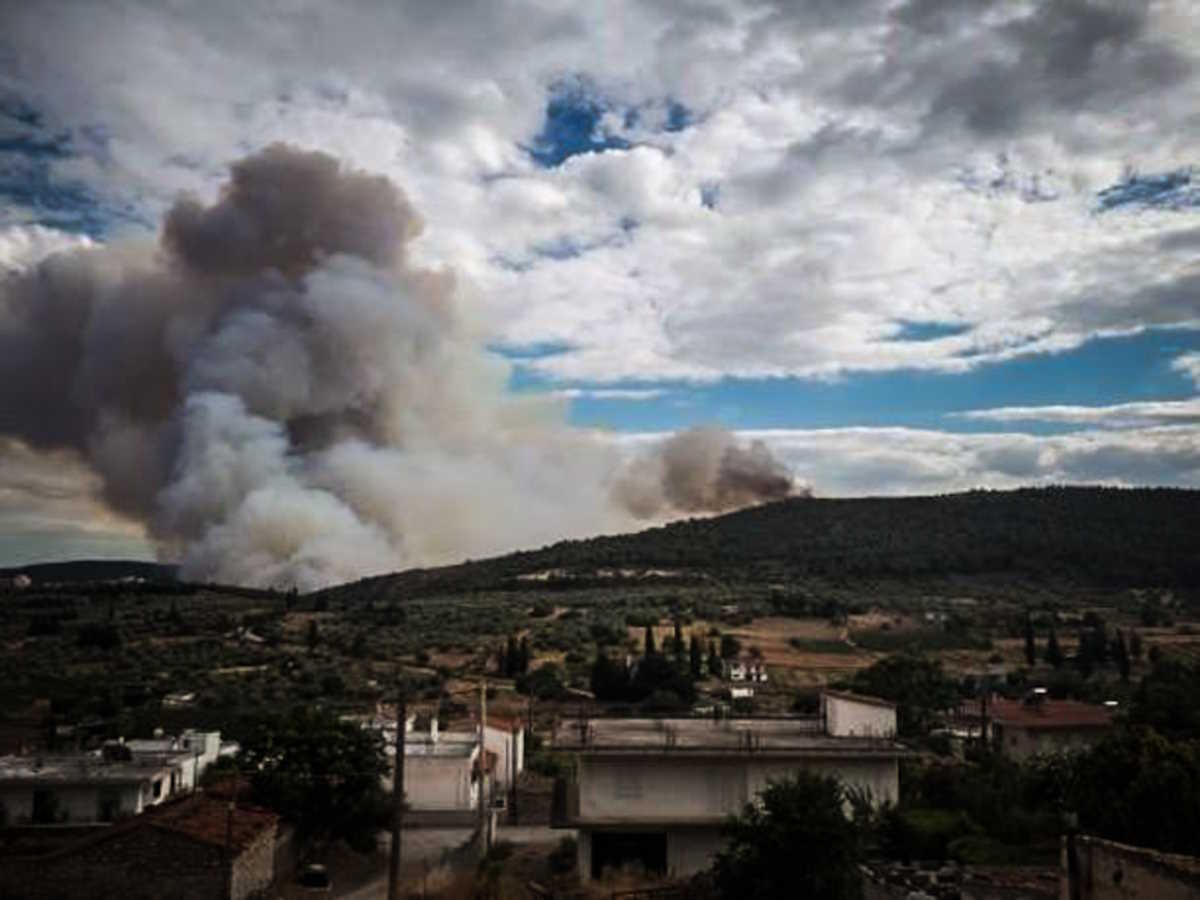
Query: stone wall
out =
(254, 868)
(139, 863)
(1096, 869)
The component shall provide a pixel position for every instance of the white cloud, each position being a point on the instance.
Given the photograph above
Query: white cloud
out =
(868, 173)
(1189, 365)
(1119, 415)
(609, 393)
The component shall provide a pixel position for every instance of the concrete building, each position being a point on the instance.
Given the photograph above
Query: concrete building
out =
(122, 779)
(55, 790)
(654, 792)
(1037, 725)
(855, 715)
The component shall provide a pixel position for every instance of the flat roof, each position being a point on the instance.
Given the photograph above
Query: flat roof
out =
(859, 698)
(799, 736)
(1049, 713)
(76, 769)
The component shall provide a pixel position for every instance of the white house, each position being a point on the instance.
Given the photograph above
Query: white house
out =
(655, 792)
(856, 715)
(80, 788)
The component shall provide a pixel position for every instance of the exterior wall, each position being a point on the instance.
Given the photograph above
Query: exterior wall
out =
(1023, 743)
(78, 803)
(669, 789)
(438, 782)
(850, 718)
(254, 869)
(509, 749)
(1109, 871)
(691, 850)
(583, 854)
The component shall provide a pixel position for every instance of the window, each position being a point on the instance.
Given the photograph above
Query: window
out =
(157, 788)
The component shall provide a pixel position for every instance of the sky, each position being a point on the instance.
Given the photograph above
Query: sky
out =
(914, 246)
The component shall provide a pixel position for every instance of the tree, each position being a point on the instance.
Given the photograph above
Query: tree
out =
(609, 680)
(714, 660)
(1030, 642)
(314, 635)
(1054, 654)
(731, 647)
(512, 657)
(797, 843)
(1135, 645)
(1084, 659)
(677, 644)
(648, 643)
(696, 658)
(917, 685)
(1121, 656)
(523, 656)
(502, 662)
(322, 773)
(545, 682)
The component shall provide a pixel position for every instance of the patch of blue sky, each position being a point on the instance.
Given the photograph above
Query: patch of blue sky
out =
(1176, 190)
(574, 122)
(928, 331)
(710, 194)
(30, 189)
(1102, 372)
(534, 350)
(572, 125)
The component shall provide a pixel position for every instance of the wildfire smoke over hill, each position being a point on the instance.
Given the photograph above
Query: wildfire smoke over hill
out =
(283, 398)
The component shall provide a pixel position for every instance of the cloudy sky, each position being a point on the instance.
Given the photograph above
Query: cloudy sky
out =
(915, 246)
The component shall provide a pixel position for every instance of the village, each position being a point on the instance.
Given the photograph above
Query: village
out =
(644, 799)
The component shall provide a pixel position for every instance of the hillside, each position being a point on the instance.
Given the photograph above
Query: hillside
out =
(1103, 536)
(89, 570)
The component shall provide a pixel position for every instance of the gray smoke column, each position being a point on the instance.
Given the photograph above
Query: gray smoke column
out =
(703, 470)
(283, 398)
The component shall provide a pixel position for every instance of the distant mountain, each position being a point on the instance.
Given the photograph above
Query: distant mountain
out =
(93, 570)
(1102, 536)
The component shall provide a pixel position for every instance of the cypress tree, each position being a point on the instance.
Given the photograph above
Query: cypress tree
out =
(649, 647)
(696, 658)
(1030, 642)
(1054, 654)
(1121, 655)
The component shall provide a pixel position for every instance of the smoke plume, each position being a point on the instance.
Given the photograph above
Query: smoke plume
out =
(702, 470)
(281, 397)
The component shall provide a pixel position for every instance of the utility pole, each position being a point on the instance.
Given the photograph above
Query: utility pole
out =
(229, 834)
(485, 838)
(397, 796)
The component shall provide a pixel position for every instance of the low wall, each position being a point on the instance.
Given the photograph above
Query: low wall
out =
(1096, 869)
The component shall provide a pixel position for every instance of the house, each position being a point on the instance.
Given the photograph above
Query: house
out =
(1037, 724)
(80, 788)
(747, 670)
(655, 792)
(122, 779)
(191, 848)
(857, 715)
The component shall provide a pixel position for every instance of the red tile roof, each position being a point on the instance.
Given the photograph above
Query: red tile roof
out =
(206, 820)
(1049, 714)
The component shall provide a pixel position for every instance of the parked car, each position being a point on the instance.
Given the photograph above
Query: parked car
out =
(315, 880)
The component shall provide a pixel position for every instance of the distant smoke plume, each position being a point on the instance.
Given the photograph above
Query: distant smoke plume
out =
(702, 470)
(283, 399)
